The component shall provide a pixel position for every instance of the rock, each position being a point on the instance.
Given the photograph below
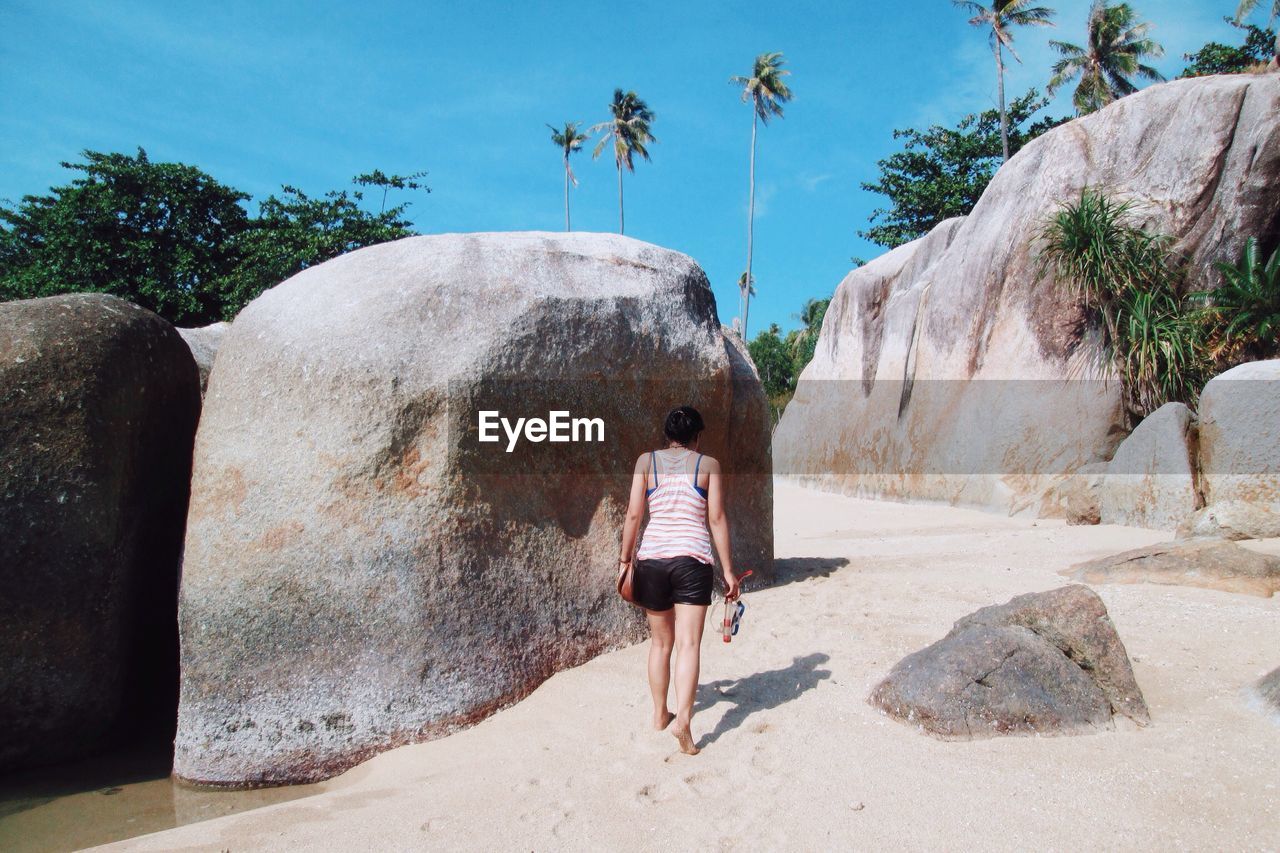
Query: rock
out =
(98, 406)
(1240, 451)
(1076, 496)
(1268, 691)
(204, 342)
(1232, 520)
(1152, 479)
(950, 370)
(1042, 663)
(1208, 563)
(360, 571)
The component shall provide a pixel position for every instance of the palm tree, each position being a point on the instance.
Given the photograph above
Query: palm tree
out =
(1112, 58)
(767, 92)
(629, 130)
(1001, 16)
(1247, 6)
(568, 140)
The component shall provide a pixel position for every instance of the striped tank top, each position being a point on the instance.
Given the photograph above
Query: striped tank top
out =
(677, 513)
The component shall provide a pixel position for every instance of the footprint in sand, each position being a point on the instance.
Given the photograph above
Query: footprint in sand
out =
(761, 728)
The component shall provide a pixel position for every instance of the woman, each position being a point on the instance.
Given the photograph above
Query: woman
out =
(673, 573)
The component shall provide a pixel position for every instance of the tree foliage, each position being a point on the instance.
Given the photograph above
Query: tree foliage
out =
(942, 172)
(1116, 45)
(172, 239)
(781, 359)
(1217, 58)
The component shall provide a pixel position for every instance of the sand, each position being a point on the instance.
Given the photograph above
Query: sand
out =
(793, 757)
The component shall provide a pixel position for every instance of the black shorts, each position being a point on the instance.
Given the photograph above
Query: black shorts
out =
(660, 584)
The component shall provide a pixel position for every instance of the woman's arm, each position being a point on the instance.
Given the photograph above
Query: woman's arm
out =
(635, 513)
(719, 525)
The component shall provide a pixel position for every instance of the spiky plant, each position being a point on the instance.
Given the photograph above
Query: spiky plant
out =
(766, 91)
(1111, 59)
(1001, 17)
(1242, 316)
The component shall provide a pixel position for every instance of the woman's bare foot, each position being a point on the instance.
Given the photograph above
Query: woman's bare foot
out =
(685, 738)
(663, 720)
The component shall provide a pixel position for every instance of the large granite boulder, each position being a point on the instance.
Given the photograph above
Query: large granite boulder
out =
(1152, 479)
(1240, 453)
(950, 369)
(360, 570)
(1208, 563)
(204, 341)
(1043, 663)
(98, 406)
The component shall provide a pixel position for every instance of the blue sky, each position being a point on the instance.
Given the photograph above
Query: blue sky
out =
(310, 93)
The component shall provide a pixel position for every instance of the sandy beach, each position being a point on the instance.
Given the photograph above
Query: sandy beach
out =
(794, 758)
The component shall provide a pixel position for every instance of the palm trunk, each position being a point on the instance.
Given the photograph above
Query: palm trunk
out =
(751, 218)
(622, 222)
(566, 193)
(1004, 116)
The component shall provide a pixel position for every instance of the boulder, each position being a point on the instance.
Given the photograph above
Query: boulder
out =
(361, 571)
(1208, 563)
(1044, 663)
(98, 406)
(1240, 452)
(951, 370)
(1152, 479)
(204, 341)
(1076, 497)
(1268, 691)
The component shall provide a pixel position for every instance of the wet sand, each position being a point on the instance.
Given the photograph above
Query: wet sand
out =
(793, 757)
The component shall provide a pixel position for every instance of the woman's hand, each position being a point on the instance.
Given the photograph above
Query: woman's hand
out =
(730, 586)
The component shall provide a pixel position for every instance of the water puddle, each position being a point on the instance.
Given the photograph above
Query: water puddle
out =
(111, 798)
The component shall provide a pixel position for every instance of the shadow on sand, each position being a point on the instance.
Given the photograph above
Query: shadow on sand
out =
(795, 569)
(759, 692)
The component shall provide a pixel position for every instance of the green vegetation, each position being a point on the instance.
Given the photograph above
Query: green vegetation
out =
(1116, 47)
(1242, 316)
(767, 91)
(780, 360)
(1001, 16)
(568, 140)
(1247, 6)
(1217, 58)
(941, 172)
(172, 239)
(1129, 279)
(628, 128)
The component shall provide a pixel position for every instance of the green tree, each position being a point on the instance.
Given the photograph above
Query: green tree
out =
(766, 91)
(1106, 67)
(1217, 58)
(568, 140)
(294, 231)
(628, 129)
(774, 361)
(805, 341)
(942, 172)
(161, 235)
(1247, 6)
(1000, 17)
(377, 178)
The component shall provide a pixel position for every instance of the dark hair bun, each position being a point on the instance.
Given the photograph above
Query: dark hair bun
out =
(683, 425)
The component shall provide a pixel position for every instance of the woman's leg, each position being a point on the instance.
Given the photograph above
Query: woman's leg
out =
(689, 621)
(661, 640)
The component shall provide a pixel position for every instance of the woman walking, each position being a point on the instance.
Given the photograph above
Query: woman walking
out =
(673, 573)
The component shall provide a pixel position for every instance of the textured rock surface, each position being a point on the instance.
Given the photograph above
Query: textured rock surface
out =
(98, 406)
(1268, 690)
(1209, 563)
(1240, 452)
(1152, 479)
(888, 407)
(360, 572)
(1043, 663)
(204, 342)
